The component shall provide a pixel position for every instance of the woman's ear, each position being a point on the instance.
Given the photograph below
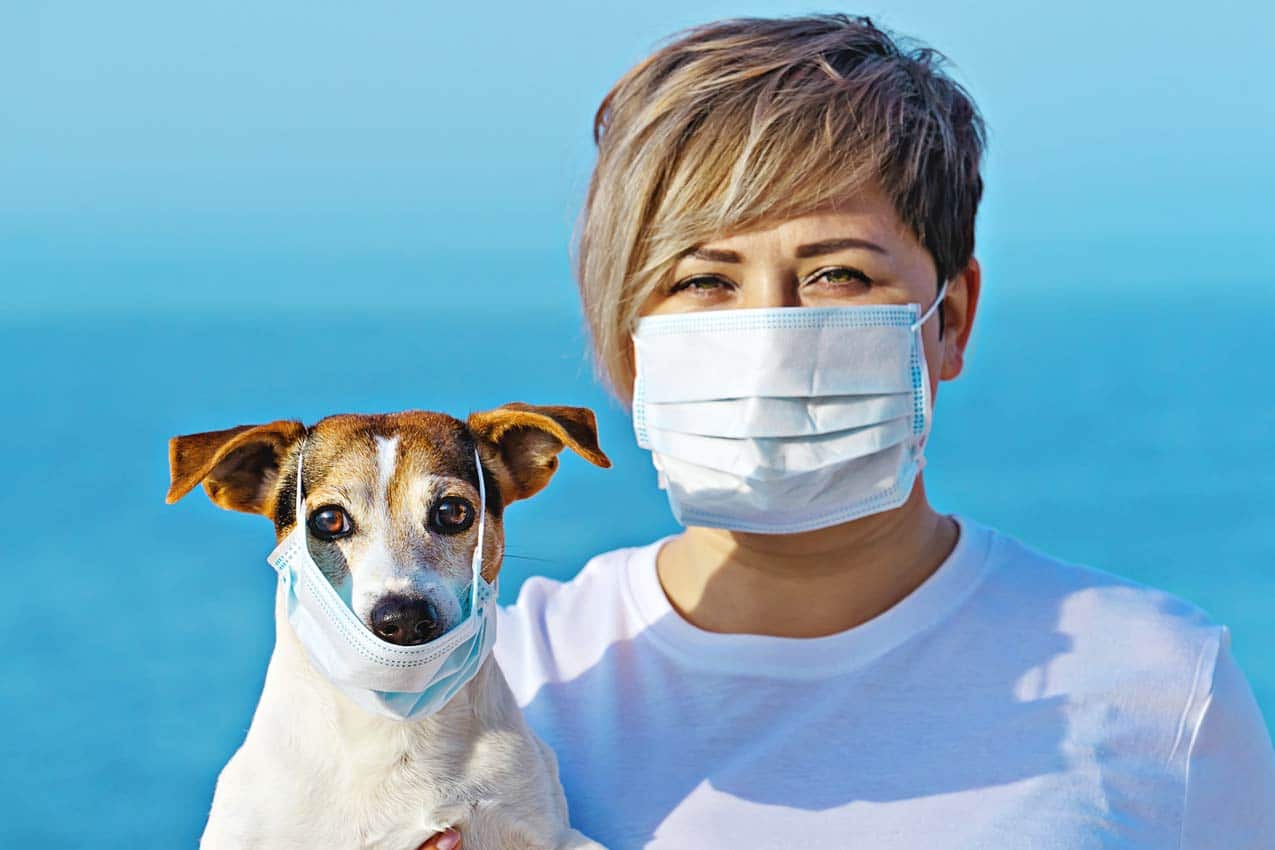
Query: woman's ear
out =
(239, 466)
(527, 438)
(959, 308)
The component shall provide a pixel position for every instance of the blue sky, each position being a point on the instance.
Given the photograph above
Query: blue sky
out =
(160, 155)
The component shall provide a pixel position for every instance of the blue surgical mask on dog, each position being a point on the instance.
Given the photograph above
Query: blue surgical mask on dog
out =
(403, 682)
(780, 420)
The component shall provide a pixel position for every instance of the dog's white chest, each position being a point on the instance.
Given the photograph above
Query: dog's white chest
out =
(315, 772)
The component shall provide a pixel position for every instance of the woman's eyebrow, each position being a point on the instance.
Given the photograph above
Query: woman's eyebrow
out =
(830, 246)
(713, 255)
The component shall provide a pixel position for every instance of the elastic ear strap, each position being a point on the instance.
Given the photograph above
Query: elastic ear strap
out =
(477, 564)
(300, 456)
(938, 299)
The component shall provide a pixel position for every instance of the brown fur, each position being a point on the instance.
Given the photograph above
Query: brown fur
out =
(529, 438)
(239, 466)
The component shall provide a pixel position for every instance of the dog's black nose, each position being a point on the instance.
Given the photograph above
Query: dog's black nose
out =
(406, 620)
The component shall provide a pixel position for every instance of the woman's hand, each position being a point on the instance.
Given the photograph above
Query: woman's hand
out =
(448, 839)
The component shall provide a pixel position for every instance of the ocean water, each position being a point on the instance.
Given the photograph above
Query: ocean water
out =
(1128, 432)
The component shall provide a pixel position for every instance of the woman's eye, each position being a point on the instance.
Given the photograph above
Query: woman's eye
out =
(330, 522)
(842, 276)
(451, 515)
(701, 283)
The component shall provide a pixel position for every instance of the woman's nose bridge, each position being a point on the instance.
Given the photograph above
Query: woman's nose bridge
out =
(771, 285)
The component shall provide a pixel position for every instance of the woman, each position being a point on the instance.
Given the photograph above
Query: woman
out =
(820, 659)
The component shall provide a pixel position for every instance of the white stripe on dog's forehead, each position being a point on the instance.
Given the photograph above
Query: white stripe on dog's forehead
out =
(386, 459)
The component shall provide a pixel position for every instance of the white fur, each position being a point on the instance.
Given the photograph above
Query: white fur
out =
(316, 771)
(386, 459)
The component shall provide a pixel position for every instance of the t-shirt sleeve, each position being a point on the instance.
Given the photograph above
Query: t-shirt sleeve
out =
(1230, 781)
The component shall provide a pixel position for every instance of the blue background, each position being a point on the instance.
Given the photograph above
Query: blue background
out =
(240, 211)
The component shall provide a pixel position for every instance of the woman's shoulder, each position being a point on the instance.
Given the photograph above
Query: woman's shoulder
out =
(598, 588)
(557, 629)
(1105, 632)
(1031, 587)
(1141, 672)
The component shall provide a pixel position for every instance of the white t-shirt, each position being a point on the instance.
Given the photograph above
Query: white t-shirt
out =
(1011, 701)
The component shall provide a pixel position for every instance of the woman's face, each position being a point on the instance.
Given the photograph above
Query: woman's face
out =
(858, 253)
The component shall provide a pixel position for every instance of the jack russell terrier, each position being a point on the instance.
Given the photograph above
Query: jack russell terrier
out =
(383, 720)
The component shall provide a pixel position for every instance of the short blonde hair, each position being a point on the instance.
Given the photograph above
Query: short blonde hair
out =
(754, 119)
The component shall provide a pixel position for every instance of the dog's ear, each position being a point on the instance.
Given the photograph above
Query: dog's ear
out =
(238, 466)
(528, 438)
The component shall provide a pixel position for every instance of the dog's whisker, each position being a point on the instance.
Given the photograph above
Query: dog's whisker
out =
(528, 558)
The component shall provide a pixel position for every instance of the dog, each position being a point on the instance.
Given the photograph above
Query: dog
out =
(317, 771)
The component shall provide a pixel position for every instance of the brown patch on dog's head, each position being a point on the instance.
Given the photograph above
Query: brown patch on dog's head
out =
(522, 442)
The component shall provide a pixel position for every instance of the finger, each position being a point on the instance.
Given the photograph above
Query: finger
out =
(448, 839)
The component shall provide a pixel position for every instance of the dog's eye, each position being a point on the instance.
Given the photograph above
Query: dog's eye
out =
(330, 522)
(451, 515)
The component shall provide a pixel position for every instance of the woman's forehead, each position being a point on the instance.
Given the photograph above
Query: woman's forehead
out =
(867, 217)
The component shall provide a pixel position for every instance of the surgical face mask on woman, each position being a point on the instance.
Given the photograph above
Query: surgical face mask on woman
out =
(811, 416)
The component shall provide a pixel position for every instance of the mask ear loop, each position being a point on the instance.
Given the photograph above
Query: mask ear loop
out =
(476, 565)
(938, 299)
(300, 457)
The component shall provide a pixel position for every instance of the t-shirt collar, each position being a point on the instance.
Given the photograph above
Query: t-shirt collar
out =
(765, 655)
